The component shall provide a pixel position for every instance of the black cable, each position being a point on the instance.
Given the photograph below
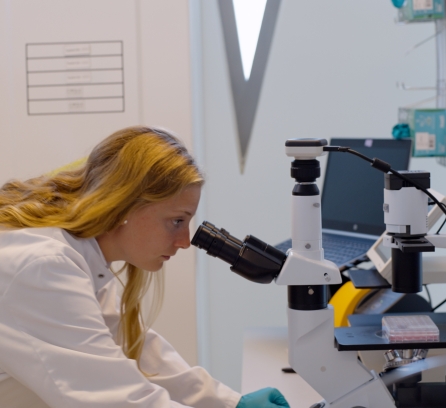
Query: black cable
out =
(440, 304)
(359, 155)
(441, 226)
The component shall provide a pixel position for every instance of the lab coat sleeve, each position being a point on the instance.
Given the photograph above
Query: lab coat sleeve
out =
(189, 385)
(192, 386)
(55, 342)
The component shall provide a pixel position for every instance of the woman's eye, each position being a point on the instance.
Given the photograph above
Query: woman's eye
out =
(177, 222)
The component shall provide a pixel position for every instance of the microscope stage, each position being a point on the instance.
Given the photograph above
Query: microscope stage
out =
(365, 333)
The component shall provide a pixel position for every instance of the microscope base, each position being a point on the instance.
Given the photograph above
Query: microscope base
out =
(420, 395)
(409, 395)
(369, 395)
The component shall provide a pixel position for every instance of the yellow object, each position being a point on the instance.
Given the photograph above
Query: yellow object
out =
(344, 302)
(69, 166)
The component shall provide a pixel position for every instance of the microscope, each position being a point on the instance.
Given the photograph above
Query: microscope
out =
(325, 359)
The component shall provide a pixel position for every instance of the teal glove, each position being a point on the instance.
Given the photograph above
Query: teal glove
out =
(398, 3)
(264, 398)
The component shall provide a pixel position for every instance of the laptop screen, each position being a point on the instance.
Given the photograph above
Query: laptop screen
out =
(353, 191)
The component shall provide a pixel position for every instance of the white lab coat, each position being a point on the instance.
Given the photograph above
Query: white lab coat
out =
(59, 312)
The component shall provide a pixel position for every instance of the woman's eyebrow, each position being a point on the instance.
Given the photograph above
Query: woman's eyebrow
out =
(184, 212)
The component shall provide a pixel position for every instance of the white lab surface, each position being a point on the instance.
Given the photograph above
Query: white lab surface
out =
(59, 312)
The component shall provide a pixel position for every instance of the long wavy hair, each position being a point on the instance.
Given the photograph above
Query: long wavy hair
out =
(131, 168)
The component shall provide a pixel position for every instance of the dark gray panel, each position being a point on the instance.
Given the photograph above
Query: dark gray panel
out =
(246, 93)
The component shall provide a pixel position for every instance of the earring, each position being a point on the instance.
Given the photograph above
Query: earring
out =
(125, 222)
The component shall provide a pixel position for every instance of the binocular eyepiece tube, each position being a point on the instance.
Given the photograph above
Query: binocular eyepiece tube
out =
(252, 258)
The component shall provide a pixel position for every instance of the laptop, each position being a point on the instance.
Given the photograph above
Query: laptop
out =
(353, 196)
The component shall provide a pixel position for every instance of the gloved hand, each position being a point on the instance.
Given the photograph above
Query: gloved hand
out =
(264, 398)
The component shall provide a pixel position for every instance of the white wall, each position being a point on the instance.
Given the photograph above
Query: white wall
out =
(157, 92)
(332, 71)
(166, 102)
(37, 144)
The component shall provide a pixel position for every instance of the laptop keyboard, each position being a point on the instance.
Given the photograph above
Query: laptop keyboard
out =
(338, 249)
(342, 250)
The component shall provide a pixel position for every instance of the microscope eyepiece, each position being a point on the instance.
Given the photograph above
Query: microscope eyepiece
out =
(202, 238)
(217, 243)
(252, 258)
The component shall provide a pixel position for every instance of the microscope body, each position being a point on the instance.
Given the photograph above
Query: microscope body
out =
(339, 377)
(406, 218)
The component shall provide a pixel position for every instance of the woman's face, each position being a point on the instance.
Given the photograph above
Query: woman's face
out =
(153, 233)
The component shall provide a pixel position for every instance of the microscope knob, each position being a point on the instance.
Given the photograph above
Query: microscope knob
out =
(391, 355)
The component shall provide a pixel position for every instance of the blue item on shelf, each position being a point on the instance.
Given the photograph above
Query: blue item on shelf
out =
(400, 131)
(427, 129)
(398, 3)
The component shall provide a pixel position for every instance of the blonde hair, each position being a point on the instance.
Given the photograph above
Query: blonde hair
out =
(131, 168)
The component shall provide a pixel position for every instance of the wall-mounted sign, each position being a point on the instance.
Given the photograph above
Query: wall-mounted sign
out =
(75, 78)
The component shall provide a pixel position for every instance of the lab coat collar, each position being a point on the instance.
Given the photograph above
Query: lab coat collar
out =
(99, 267)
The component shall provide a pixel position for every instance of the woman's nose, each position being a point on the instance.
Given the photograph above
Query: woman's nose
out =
(184, 239)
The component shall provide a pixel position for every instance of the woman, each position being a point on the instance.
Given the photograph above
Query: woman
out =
(67, 339)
